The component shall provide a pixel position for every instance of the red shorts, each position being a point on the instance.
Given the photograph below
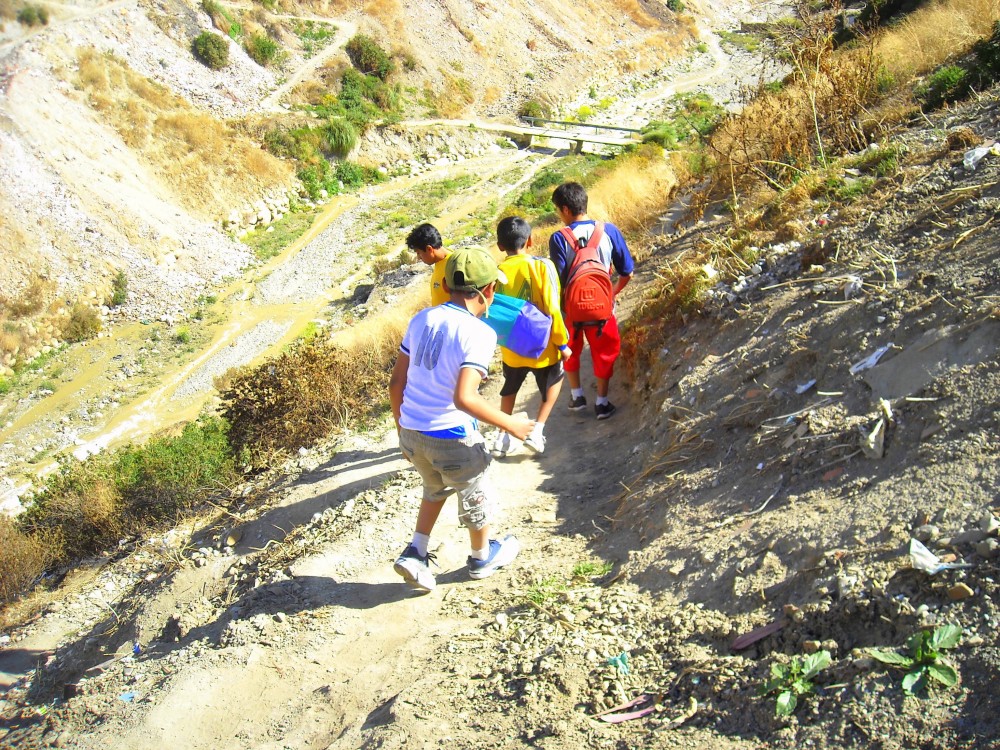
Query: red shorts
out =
(605, 344)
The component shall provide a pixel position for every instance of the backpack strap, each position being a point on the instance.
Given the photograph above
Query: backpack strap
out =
(593, 243)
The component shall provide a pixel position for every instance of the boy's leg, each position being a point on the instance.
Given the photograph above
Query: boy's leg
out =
(549, 380)
(513, 379)
(571, 366)
(414, 563)
(604, 350)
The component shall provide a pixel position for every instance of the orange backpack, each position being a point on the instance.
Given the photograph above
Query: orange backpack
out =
(588, 297)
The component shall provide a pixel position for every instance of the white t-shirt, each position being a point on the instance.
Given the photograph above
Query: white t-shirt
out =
(440, 341)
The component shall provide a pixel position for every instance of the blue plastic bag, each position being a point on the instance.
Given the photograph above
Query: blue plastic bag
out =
(519, 325)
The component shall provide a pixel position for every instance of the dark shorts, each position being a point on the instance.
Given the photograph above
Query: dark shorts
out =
(545, 377)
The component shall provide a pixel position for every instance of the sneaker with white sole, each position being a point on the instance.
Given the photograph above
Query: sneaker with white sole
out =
(502, 553)
(604, 411)
(505, 445)
(415, 569)
(536, 442)
(577, 404)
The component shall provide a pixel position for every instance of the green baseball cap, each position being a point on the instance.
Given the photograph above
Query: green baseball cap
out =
(471, 268)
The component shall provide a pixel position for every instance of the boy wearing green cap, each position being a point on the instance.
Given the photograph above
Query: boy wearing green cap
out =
(434, 392)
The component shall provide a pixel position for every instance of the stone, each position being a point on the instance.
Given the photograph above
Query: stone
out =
(988, 524)
(988, 548)
(810, 647)
(960, 591)
(926, 533)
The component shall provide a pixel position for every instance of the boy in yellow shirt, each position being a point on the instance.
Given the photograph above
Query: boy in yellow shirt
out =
(533, 279)
(425, 241)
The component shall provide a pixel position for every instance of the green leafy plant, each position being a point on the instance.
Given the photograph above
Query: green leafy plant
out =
(31, 15)
(590, 569)
(211, 49)
(119, 289)
(795, 679)
(545, 590)
(261, 48)
(925, 661)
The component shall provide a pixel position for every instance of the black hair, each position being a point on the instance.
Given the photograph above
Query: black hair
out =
(571, 195)
(422, 236)
(513, 233)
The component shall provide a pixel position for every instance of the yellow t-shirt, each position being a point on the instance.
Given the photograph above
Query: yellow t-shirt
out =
(535, 279)
(438, 293)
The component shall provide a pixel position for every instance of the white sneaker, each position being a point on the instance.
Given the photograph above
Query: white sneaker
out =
(416, 569)
(505, 445)
(535, 441)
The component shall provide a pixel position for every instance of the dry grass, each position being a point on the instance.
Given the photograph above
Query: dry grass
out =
(633, 10)
(199, 155)
(935, 33)
(316, 388)
(23, 558)
(33, 299)
(636, 191)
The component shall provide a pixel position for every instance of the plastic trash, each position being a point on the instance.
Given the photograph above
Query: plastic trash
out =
(871, 360)
(805, 386)
(852, 285)
(127, 697)
(923, 559)
(973, 156)
(620, 662)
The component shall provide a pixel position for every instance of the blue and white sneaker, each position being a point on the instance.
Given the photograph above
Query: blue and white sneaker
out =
(416, 569)
(501, 553)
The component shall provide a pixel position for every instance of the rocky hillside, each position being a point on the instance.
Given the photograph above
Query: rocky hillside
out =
(123, 153)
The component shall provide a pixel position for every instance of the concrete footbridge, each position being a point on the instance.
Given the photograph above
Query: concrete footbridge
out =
(525, 132)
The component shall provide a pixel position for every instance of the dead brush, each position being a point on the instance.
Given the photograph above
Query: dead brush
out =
(637, 505)
(23, 558)
(32, 299)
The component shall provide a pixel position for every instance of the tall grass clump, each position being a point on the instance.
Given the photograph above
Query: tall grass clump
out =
(92, 504)
(308, 392)
(84, 323)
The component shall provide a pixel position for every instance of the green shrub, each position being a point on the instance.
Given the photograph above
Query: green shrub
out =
(182, 335)
(119, 289)
(31, 15)
(944, 85)
(677, 6)
(211, 49)
(90, 505)
(534, 108)
(84, 323)
(261, 48)
(369, 57)
(5, 386)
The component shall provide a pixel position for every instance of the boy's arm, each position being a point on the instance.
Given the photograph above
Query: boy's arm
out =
(467, 399)
(557, 254)
(397, 384)
(621, 258)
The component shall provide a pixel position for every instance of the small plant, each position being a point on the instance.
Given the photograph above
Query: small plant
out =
(84, 323)
(119, 289)
(925, 661)
(211, 49)
(262, 49)
(369, 57)
(545, 590)
(592, 569)
(794, 679)
(182, 335)
(31, 15)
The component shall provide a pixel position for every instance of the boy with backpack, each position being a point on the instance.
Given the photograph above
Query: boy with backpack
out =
(425, 242)
(434, 393)
(535, 280)
(584, 252)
